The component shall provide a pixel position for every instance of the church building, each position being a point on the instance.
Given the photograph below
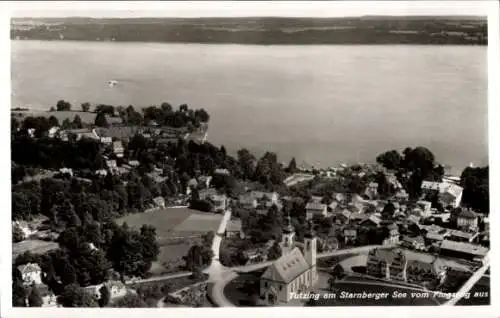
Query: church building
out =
(294, 272)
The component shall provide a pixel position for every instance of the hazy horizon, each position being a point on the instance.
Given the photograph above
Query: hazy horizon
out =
(221, 9)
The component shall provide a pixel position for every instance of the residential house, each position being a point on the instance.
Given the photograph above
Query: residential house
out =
(233, 229)
(31, 132)
(101, 172)
(205, 181)
(315, 209)
(427, 270)
(372, 190)
(316, 199)
(329, 243)
(401, 195)
(266, 197)
(461, 236)
(417, 242)
(50, 301)
(425, 206)
(68, 171)
(372, 221)
(191, 185)
(342, 217)
(404, 265)
(350, 235)
(159, 202)
(111, 164)
(434, 238)
(332, 206)
(449, 193)
(413, 219)
(116, 289)
(134, 163)
(223, 172)
(53, 131)
(466, 219)
(393, 237)
(462, 250)
(83, 133)
(207, 194)
(386, 263)
(247, 201)
(118, 149)
(220, 202)
(24, 227)
(31, 273)
(339, 197)
(106, 140)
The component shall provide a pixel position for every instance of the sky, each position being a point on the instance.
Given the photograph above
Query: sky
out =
(134, 9)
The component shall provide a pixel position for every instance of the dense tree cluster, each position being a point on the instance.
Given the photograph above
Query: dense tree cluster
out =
(200, 255)
(412, 167)
(51, 153)
(476, 195)
(75, 296)
(63, 105)
(164, 115)
(262, 228)
(89, 254)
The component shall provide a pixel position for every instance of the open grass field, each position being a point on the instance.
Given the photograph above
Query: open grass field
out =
(165, 220)
(34, 246)
(174, 223)
(195, 222)
(87, 117)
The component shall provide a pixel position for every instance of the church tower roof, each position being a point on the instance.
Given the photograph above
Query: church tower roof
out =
(310, 233)
(288, 227)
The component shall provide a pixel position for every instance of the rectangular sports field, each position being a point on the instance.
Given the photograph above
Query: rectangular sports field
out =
(173, 223)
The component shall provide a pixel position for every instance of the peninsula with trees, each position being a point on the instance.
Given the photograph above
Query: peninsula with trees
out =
(442, 30)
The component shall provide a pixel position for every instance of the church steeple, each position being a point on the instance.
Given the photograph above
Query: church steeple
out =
(288, 227)
(310, 233)
(288, 235)
(310, 243)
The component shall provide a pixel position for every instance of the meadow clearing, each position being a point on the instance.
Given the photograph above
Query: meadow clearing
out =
(177, 229)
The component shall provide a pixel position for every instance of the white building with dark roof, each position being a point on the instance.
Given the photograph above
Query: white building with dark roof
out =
(313, 208)
(233, 229)
(31, 273)
(466, 219)
(294, 272)
(449, 193)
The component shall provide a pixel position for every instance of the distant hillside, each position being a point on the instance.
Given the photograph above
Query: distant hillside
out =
(259, 30)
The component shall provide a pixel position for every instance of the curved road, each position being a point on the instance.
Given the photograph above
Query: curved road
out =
(471, 282)
(221, 275)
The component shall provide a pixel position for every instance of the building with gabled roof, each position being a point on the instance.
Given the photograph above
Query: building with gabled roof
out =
(466, 219)
(118, 149)
(462, 249)
(461, 236)
(233, 229)
(31, 273)
(449, 193)
(313, 208)
(294, 272)
(405, 265)
(416, 242)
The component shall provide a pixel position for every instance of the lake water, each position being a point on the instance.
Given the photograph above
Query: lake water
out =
(322, 104)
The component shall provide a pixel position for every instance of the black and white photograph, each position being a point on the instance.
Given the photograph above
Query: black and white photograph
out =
(255, 154)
